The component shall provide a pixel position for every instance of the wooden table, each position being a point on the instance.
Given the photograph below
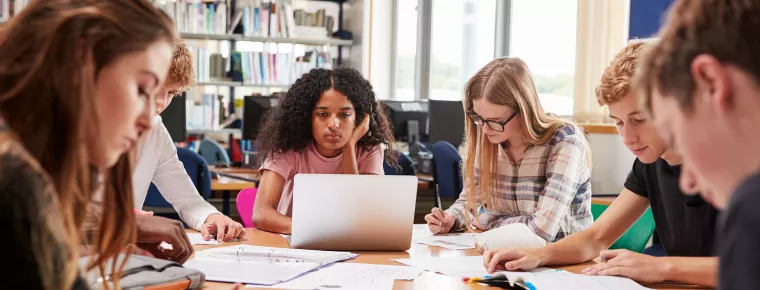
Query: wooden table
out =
(230, 184)
(427, 280)
(424, 181)
(227, 186)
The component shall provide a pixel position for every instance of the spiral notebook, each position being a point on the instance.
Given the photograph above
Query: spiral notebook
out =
(261, 265)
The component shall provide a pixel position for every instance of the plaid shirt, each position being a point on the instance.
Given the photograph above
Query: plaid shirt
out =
(549, 190)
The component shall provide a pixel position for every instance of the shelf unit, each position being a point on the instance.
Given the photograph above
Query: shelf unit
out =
(238, 37)
(214, 131)
(240, 84)
(233, 38)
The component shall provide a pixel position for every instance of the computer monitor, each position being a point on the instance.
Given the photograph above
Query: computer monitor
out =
(410, 120)
(446, 121)
(175, 118)
(254, 109)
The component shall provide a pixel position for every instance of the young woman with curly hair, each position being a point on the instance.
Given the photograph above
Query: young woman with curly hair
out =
(327, 123)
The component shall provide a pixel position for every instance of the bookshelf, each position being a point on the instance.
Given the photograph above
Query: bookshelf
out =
(214, 131)
(296, 40)
(236, 24)
(305, 41)
(203, 36)
(264, 69)
(239, 85)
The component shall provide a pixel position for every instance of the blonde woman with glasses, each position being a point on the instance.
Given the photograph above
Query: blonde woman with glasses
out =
(522, 165)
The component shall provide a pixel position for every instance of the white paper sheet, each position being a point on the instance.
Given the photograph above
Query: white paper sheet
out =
(420, 231)
(261, 265)
(249, 253)
(516, 235)
(350, 276)
(462, 241)
(348, 283)
(471, 266)
(197, 239)
(453, 241)
(247, 272)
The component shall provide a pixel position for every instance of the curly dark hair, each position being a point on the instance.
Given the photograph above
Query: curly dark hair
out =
(287, 127)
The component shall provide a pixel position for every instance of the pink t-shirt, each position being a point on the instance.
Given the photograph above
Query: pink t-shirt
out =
(291, 163)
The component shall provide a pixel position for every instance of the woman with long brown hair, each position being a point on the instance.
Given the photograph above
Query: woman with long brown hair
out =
(77, 80)
(522, 165)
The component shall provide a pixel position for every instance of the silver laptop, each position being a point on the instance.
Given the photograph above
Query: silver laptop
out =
(353, 212)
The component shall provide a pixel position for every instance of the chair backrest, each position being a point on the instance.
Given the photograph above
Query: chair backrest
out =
(635, 238)
(213, 152)
(447, 173)
(244, 201)
(404, 162)
(196, 168)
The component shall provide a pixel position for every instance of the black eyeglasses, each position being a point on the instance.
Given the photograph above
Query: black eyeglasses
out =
(496, 126)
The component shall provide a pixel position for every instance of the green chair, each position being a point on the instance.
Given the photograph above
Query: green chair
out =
(637, 237)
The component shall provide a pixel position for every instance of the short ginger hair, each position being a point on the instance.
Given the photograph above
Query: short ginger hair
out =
(616, 79)
(181, 72)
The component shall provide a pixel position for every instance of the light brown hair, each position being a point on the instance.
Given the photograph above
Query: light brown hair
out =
(724, 29)
(616, 79)
(505, 82)
(50, 55)
(181, 72)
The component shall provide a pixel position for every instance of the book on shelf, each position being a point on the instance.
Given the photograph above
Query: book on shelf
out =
(205, 111)
(9, 8)
(303, 18)
(276, 68)
(208, 66)
(207, 17)
(267, 18)
(218, 69)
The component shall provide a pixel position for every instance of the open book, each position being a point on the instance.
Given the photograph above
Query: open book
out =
(261, 265)
(515, 235)
(558, 279)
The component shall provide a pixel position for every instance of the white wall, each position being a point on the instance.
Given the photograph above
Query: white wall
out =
(611, 163)
(378, 50)
(356, 14)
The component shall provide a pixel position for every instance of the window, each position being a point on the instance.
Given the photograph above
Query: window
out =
(545, 39)
(406, 49)
(462, 42)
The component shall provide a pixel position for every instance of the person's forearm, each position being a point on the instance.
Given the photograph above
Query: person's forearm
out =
(349, 165)
(574, 249)
(692, 270)
(197, 216)
(270, 220)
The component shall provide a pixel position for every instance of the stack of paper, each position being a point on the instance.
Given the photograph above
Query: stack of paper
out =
(261, 265)
(351, 276)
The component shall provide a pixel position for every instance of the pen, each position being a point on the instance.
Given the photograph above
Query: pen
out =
(438, 197)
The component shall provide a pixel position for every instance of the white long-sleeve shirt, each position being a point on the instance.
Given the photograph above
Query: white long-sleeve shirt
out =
(157, 162)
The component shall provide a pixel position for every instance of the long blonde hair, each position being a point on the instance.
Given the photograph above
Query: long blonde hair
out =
(505, 82)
